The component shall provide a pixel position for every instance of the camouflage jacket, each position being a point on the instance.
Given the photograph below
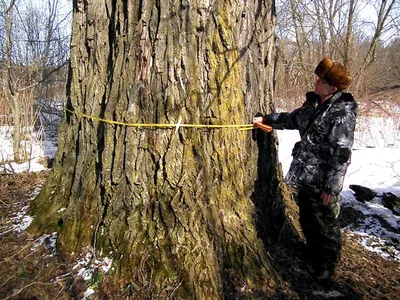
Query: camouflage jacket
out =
(321, 157)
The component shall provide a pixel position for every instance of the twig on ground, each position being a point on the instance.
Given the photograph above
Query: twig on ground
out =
(176, 288)
(25, 287)
(7, 280)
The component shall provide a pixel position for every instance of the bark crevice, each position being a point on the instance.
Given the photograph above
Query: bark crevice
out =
(191, 212)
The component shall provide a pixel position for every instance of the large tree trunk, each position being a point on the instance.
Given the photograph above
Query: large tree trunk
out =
(186, 212)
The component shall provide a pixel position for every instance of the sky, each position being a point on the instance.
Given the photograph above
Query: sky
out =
(64, 9)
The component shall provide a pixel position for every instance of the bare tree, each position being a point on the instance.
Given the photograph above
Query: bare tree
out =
(33, 48)
(349, 32)
(384, 10)
(11, 92)
(334, 28)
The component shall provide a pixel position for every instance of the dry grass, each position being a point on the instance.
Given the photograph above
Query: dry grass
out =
(361, 274)
(29, 268)
(26, 100)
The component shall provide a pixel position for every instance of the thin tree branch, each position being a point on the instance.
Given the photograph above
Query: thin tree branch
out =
(45, 77)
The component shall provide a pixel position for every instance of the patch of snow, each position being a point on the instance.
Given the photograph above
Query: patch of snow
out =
(48, 240)
(377, 132)
(35, 193)
(83, 261)
(88, 292)
(21, 220)
(33, 146)
(40, 142)
(33, 165)
(377, 245)
(375, 168)
(105, 264)
(26, 221)
(87, 266)
(62, 276)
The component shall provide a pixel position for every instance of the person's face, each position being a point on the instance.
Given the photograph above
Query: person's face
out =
(323, 88)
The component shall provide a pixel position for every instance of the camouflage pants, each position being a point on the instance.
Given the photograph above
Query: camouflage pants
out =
(321, 229)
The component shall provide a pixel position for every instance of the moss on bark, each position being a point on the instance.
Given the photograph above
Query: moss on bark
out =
(178, 212)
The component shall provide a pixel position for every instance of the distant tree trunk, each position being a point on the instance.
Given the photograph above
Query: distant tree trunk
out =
(298, 25)
(16, 112)
(349, 33)
(11, 94)
(187, 212)
(321, 28)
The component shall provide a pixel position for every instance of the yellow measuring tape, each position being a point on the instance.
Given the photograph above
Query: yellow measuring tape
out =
(176, 125)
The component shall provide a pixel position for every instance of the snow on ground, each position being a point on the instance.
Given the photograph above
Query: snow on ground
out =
(34, 147)
(375, 164)
(40, 140)
(376, 168)
(88, 264)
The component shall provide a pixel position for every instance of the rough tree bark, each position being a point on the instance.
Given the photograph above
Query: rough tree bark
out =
(186, 212)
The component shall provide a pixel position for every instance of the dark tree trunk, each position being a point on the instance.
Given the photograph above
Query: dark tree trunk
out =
(10, 92)
(179, 212)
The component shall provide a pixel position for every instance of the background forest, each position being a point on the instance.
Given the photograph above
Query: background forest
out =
(364, 35)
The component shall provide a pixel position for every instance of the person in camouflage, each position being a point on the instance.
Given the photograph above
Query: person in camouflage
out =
(326, 122)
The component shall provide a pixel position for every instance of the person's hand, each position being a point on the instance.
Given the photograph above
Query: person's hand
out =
(326, 198)
(257, 119)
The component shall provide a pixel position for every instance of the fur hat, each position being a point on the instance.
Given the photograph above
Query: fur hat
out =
(334, 73)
